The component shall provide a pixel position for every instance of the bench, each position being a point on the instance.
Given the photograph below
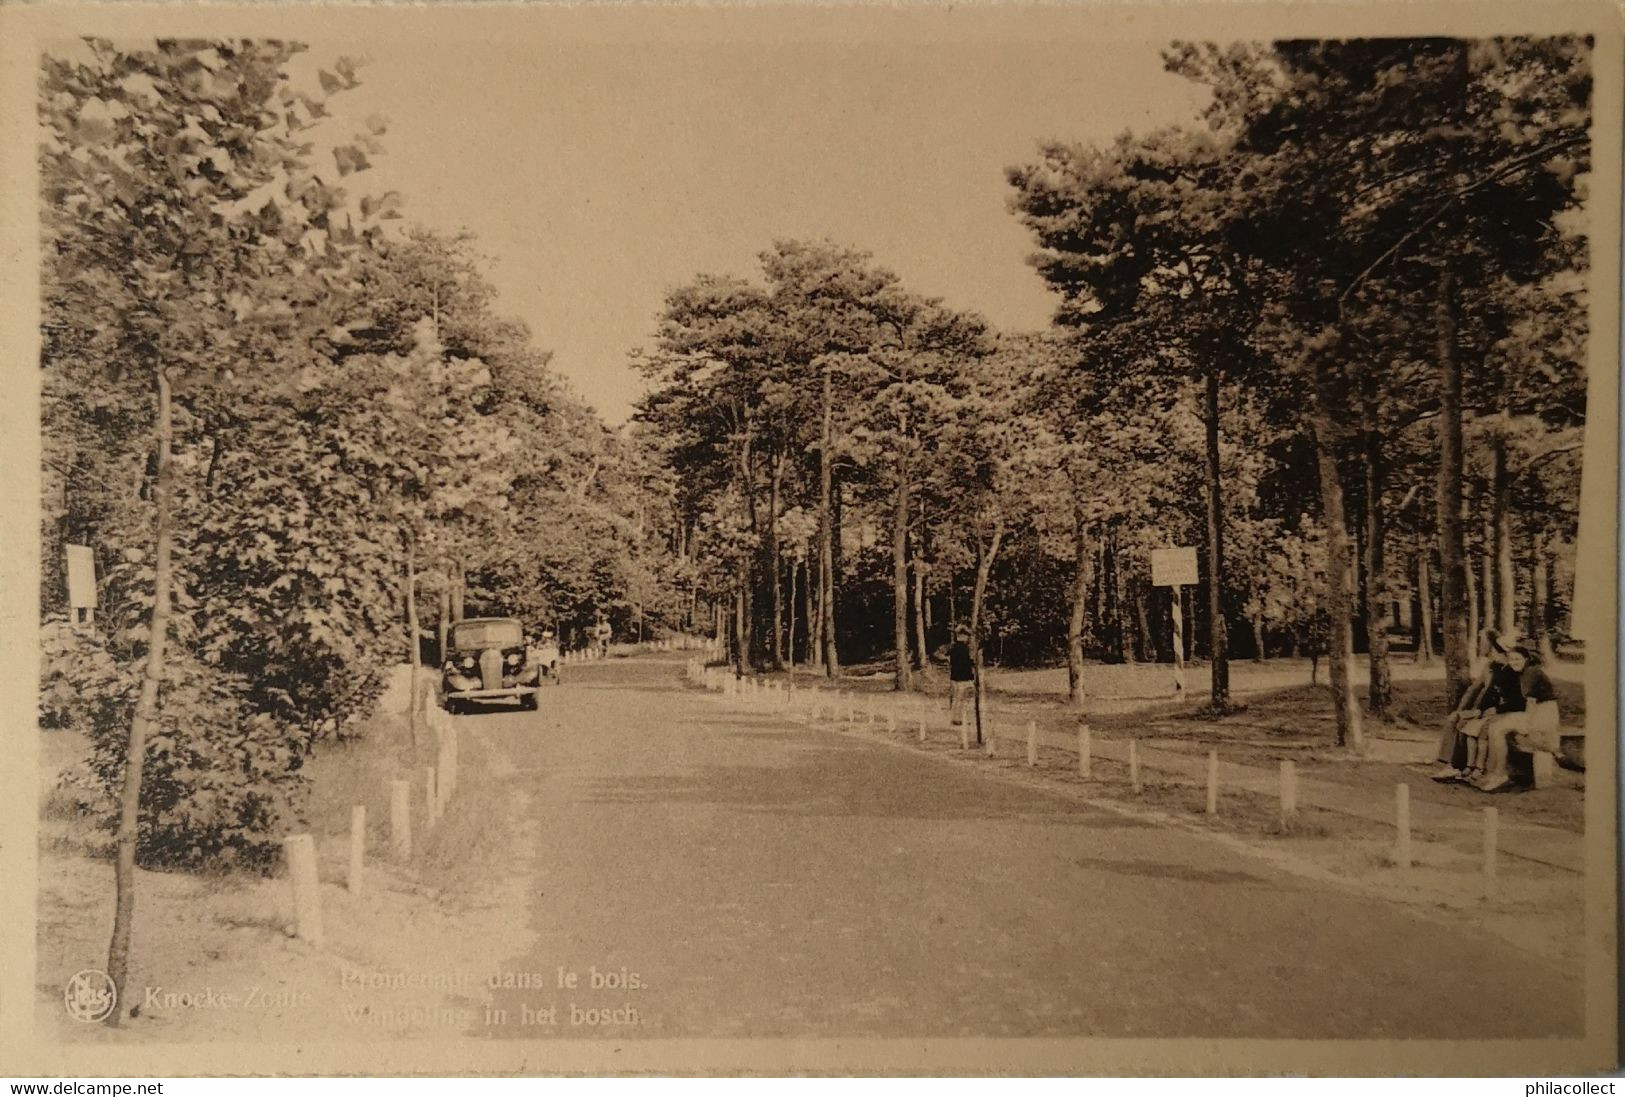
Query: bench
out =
(1541, 765)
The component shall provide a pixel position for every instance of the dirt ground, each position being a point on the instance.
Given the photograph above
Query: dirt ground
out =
(1279, 716)
(214, 956)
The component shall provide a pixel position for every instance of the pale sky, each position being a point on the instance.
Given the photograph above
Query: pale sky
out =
(602, 161)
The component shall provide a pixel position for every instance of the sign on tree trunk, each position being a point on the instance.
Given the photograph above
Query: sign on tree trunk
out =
(81, 583)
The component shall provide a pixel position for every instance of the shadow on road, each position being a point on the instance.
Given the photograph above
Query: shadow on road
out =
(839, 783)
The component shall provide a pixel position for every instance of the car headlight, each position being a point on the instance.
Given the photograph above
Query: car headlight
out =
(468, 662)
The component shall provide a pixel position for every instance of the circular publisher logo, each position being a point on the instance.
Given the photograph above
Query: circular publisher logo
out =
(89, 996)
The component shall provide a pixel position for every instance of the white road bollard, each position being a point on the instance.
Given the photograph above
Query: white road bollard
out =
(1213, 782)
(431, 798)
(1084, 764)
(1402, 825)
(964, 736)
(990, 740)
(1491, 839)
(1134, 764)
(400, 818)
(921, 723)
(1289, 795)
(358, 848)
(307, 897)
(1032, 742)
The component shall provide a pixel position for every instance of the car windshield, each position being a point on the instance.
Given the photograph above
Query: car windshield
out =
(466, 635)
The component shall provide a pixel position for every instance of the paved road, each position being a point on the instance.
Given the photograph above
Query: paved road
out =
(762, 878)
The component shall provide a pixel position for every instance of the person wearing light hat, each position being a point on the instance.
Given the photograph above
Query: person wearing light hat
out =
(1527, 710)
(547, 653)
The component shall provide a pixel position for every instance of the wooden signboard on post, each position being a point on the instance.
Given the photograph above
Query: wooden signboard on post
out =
(81, 584)
(1176, 568)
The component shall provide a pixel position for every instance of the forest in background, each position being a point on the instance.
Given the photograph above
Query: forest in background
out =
(1332, 336)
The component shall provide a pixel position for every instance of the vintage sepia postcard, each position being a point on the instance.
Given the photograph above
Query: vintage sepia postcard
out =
(800, 539)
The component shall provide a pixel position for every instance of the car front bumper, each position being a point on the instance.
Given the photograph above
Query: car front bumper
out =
(505, 693)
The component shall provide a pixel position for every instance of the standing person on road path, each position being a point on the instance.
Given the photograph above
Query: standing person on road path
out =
(600, 636)
(961, 675)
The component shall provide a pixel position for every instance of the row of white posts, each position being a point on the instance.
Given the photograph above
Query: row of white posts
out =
(439, 782)
(712, 648)
(839, 706)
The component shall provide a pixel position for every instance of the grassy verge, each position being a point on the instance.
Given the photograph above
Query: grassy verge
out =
(1279, 717)
(214, 956)
(1536, 907)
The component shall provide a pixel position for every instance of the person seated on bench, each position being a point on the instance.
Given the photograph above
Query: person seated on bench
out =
(1458, 754)
(1530, 722)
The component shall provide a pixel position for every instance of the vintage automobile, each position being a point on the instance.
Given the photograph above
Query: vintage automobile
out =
(486, 663)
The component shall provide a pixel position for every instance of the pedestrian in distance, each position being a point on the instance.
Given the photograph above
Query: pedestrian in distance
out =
(546, 653)
(961, 675)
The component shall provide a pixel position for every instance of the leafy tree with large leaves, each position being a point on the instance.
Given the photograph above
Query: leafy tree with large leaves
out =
(186, 238)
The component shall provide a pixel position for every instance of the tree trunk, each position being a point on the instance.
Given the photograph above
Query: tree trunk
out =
(442, 632)
(145, 718)
(815, 657)
(1380, 682)
(1424, 607)
(1472, 616)
(459, 586)
(1506, 590)
(775, 484)
(1453, 596)
(1540, 593)
(922, 660)
(790, 612)
(1218, 636)
(984, 567)
(745, 602)
(903, 678)
(414, 627)
(1080, 599)
(1145, 644)
(744, 608)
(1258, 637)
(1339, 573)
(1125, 642)
(826, 528)
(1106, 580)
(1486, 586)
(826, 531)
